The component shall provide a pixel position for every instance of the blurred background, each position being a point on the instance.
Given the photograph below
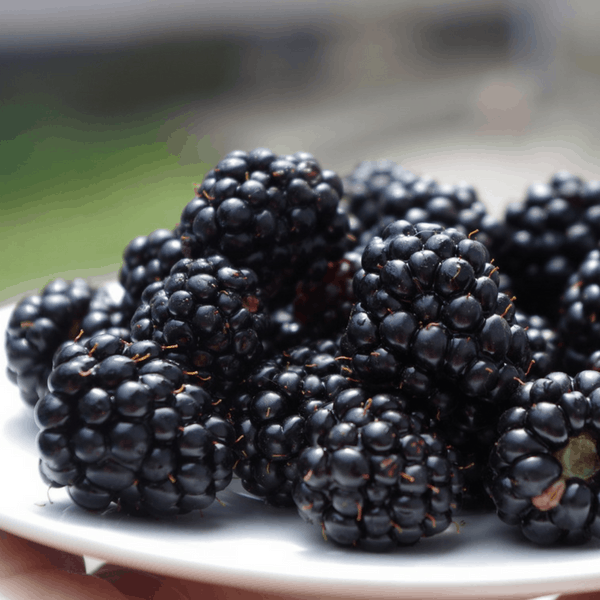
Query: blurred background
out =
(110, 112)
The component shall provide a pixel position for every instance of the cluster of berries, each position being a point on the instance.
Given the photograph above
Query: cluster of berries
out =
(353, 348)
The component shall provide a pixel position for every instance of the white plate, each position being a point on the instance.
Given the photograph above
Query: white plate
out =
(247, 544)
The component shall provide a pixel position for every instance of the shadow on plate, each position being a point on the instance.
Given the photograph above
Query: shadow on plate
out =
(231, 510)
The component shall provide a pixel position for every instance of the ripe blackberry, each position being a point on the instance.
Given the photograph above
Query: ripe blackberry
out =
(380, 192)
(110, 310)
(211, 313)
(372, 475)
(578, 324)
(278, 215)
(543, 337)
(429, 320)
(545, 464)
(149, 258)
(549, 234)
(544, 344)
(365, 184)
(37, 326)
(122, 423)
(270, 412)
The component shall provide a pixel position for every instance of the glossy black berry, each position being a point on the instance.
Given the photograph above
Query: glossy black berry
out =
(373, 476)
(322, 307)
(429, 320)
(278, 215)
(550, 233)
(210, 312)
(545, 464)
(110, 310)
(149, 258)
(544, 344)
(270, 413)
(381, 191)
(578, 326)
(124, 424)
(37, 326)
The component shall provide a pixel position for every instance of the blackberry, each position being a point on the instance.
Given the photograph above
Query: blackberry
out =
(429, 320)
(380, 192)
(578, 324)
(544, 343)
(122, 423)
(37, 326)
(209, 312)
(373, 476)
(545, 465)
(365, 184)
(149, 258)
(110, 310)
(278, 215)
(270, 412)
(549, 234)
(544, 340)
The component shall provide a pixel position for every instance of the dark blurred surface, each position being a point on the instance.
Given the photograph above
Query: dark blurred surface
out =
(119, 82)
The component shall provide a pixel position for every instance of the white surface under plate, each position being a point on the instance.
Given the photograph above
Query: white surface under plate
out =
(245, 543)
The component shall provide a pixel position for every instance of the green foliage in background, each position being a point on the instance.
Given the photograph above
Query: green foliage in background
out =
(75, 190)
(93, 153)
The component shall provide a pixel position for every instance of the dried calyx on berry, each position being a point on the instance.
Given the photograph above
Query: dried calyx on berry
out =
(545, 465)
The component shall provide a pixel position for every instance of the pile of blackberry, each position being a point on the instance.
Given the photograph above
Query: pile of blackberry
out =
(373, 352)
